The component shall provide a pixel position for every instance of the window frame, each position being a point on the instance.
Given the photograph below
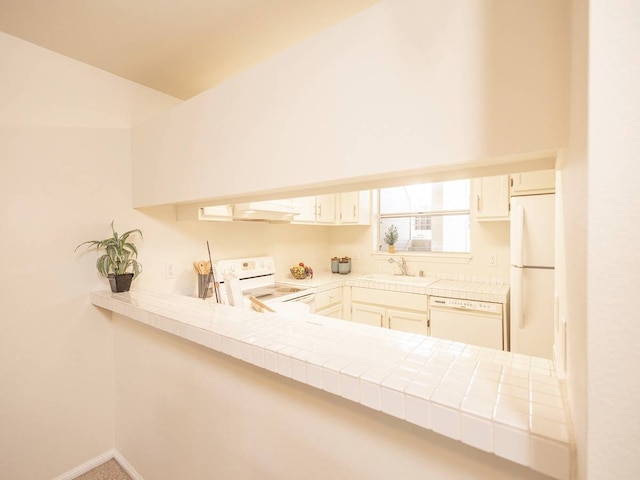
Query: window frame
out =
(454, 257)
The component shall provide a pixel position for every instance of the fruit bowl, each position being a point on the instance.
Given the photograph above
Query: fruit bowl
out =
(299, 275)
(301, 271)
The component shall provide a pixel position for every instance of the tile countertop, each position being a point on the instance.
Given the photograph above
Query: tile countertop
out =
(489, 399)
(465, 289)
(320, 282)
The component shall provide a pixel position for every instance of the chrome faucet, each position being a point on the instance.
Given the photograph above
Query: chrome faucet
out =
(402, 265)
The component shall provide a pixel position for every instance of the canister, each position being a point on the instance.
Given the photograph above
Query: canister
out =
(334, 264)
(344, 266)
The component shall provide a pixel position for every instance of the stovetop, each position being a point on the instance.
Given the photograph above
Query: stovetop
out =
(274, 291)
(257, 278)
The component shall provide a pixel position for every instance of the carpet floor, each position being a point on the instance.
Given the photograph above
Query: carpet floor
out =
(109, 470)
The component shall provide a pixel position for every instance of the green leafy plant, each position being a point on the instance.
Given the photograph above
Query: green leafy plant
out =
(120, 254)
(391, 235)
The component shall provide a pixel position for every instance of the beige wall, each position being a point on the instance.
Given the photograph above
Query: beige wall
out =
(65, 169)
(406, 85)
(182, 242)
(601, 213)
(613, 263)
(572, 251)
(66, 165)
(183, 411)
(64, 124)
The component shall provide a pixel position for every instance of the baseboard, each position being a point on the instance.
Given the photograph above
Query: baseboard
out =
(126, 466)
(86, 466)
(99, 460)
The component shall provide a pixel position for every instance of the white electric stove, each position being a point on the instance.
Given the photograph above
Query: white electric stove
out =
(257, 278)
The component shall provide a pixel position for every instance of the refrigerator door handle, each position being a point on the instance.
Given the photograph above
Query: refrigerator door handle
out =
(517, 297)
(518, 240)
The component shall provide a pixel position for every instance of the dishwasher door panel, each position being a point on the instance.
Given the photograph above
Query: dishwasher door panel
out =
(470, 327)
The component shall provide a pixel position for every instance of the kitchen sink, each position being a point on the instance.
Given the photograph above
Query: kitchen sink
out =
(404, 279)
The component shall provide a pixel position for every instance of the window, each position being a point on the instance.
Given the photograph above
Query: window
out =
(431, 217)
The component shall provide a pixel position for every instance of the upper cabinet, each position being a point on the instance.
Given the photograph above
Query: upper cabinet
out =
(351, 208)
(319, 209)
(326, 205)
(491, 198)
(491, 195)
(308, 210)
(532, 183)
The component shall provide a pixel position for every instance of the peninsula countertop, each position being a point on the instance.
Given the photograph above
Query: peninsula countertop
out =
(508, 404)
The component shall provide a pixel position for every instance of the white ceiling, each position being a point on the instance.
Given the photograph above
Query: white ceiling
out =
(180, 47)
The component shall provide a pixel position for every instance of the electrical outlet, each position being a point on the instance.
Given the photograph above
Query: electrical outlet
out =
(493, 260)
(170, 270)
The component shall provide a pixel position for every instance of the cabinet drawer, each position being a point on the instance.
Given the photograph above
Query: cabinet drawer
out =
(409, 301)
(330, 297)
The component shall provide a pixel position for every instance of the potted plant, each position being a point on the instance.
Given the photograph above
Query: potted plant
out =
(390, 237)
(119, 263)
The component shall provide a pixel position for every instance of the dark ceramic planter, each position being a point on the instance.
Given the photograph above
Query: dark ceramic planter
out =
(120, 283)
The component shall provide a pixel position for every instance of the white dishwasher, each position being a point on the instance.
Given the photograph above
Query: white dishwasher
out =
(467, 321)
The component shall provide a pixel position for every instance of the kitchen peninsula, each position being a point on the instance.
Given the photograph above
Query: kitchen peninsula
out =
(502, 403)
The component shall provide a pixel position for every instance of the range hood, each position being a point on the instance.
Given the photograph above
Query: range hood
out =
(271, 210)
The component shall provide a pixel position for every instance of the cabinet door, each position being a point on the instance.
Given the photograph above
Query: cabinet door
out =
(307, 206)
(326, 208)
(543, 181)
(492, 198)
(369, 314)
(349, 212)
(414, 322)
(334, 311)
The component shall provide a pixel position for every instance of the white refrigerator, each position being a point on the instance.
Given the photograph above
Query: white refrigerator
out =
(532, 275)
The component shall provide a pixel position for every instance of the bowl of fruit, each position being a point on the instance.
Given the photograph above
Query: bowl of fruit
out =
(301, 271)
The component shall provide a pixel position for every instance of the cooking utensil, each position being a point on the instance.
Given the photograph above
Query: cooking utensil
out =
(260, 306)
(216, 284)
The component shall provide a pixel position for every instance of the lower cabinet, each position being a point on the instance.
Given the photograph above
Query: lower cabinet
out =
(333, 312)
(407, 321)
(395, 310)
(329, 303)
(369, 314)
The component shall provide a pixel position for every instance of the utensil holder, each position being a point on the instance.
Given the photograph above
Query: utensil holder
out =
(205, 285)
